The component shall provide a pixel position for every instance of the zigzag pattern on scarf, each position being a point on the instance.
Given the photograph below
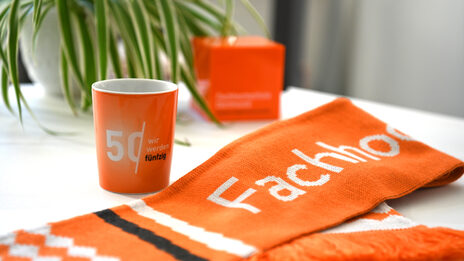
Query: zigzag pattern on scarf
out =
(42, 238)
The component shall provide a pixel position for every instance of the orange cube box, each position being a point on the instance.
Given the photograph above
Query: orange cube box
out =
(241, 78)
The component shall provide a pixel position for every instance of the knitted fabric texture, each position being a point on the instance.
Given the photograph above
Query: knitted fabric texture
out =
(266, 195)
(382, 234)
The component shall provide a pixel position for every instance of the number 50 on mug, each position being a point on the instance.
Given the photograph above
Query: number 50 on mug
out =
(134, 130)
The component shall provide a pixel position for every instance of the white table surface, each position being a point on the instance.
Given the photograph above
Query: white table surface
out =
(47, 178)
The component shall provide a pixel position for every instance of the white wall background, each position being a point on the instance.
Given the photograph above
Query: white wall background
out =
(409, 53)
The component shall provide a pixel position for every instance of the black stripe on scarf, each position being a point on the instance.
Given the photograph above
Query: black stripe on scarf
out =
(146, 235)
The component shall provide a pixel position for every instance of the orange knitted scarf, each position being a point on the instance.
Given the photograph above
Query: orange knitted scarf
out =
(266, 195)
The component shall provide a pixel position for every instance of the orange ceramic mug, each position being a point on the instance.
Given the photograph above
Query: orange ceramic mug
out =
(134, 130)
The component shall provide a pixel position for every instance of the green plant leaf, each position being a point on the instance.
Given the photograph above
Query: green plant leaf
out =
(36, 14)
(148, 29)
(5, 87)
(12, 52)
(6, 8)
(3, 54)
(189, 81)
(196, 16)
(38, 24)
(159, 72)
(89, 63)
(192, 26)
(114, 55)
(67, 39)
(227, 24)
(184, 142)
(187, 75)
(65, 79)
(185, 45)
(102, 37)
(158, 48)
(87, 53)
(159, 44)
(24, 13)
(68, 43)
(85, 4)
(153, 15)
(219, 14)
(158, 37)
(131, 67)
(144, 37)
(186, 50)
(4, 12)
(4, 17)
(170, 30)
(210, 8)
(124, 24)
(258, 18)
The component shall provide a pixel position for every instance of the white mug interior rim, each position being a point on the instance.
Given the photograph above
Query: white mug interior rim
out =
(134, 86)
